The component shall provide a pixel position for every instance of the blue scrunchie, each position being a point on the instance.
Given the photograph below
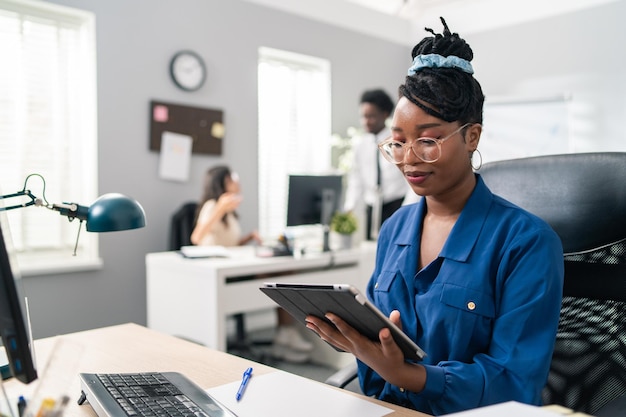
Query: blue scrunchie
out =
(438, 61)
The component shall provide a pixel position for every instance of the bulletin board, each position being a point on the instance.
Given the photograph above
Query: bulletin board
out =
(204, 126)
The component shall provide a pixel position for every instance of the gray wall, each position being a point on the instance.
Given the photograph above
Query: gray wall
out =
(135, 41)
(580, 53)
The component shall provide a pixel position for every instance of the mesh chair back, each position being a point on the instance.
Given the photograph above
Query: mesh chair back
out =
(583, 198)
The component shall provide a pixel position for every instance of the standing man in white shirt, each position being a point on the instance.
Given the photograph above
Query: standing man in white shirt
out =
(379, 185)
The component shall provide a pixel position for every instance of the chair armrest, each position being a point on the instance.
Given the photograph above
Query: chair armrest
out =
(344, 376)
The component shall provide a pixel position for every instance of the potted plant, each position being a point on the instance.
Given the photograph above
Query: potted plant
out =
(344, 223)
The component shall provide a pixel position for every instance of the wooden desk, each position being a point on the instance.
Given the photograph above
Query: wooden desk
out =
(133, 348)
(193, 298)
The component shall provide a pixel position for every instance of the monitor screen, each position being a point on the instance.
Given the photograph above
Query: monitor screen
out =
(12, 320)
(313, 199)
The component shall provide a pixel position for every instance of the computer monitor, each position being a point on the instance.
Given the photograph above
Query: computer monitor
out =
(13, 329)
(313, 199)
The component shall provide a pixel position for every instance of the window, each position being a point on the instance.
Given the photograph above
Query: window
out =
(48, 127)
(294, 128)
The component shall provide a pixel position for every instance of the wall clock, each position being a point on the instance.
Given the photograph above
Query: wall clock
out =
(187, 70)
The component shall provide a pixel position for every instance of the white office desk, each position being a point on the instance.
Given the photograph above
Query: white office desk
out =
(193, 298)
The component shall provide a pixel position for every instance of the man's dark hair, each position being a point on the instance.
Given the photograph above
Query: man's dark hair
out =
(449, 94)
(379, 98)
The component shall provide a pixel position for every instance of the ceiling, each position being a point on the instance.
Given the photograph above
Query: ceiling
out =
(476, 13)
(403, 21)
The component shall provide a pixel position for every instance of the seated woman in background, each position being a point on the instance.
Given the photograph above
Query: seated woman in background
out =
(218, 224)
(217, 221)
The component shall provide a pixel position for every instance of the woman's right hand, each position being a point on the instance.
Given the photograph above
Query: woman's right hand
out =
(229, 202)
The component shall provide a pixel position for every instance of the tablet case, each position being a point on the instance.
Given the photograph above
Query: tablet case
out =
(344, 300)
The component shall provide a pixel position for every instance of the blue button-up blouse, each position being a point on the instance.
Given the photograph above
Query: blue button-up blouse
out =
(486, 311)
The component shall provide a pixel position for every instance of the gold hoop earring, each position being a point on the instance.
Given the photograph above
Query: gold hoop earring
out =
(473, 160)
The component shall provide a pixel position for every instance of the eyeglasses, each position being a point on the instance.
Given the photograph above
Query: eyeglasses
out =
(426, 149)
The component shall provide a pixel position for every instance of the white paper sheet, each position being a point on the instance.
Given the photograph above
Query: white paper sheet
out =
(281, 394)
(175, 156)
(214, 251)
(508, 409)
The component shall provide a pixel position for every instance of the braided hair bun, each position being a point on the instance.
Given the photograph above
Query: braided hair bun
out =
(448, 93)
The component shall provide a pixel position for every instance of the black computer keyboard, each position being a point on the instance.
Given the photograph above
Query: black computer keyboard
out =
(148, 394)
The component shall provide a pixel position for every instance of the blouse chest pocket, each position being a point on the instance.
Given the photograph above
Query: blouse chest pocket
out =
(384, 281)
(384, 296)
(466, 299)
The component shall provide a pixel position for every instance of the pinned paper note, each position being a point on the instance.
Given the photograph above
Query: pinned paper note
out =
(217, 130)
(160, 113)
(175, 156)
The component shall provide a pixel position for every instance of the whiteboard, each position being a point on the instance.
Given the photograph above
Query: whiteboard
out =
(524, 127)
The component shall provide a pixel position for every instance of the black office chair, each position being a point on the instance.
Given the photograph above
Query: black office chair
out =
(181, 226)
(583, 197)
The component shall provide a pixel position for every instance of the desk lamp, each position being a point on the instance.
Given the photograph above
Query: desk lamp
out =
(109, 213)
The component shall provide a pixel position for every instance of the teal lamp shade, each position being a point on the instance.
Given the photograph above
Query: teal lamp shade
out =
(113, 212)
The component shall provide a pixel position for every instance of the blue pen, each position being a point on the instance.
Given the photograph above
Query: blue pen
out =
(244, 383)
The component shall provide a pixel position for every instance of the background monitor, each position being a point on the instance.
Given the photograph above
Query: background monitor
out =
(313, 199)
(13, 329)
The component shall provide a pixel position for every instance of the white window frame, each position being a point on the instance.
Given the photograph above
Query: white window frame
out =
(294, 128)
(49, 127)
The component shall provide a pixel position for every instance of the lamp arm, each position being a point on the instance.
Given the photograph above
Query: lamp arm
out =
(71, 210)
(34, 201)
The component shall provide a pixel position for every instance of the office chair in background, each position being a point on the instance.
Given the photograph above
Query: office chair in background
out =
(181, 226)
(583, 198)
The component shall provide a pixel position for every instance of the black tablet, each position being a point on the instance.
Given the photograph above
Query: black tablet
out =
(301, 300)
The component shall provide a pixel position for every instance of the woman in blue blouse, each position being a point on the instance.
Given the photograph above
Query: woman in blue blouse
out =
(475, 280)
